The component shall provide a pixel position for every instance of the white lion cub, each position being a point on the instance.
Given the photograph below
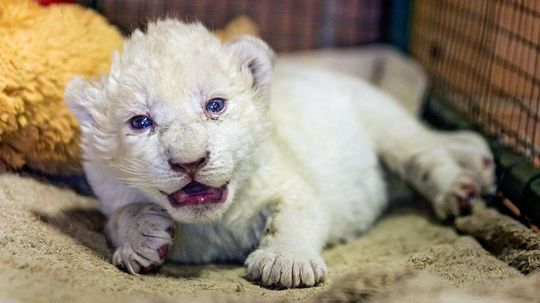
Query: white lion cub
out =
(197, 156)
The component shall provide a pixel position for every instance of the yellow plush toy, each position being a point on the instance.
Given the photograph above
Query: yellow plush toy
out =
(241, 25)
(41, 49)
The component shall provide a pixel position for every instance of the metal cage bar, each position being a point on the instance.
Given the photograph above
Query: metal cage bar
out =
(484, 56)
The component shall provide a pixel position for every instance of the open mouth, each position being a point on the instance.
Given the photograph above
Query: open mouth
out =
(196, 193)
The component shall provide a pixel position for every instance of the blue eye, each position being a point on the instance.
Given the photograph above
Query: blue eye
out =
(215, 106)
(140, 122)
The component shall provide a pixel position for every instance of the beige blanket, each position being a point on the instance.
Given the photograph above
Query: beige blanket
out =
(52, 250)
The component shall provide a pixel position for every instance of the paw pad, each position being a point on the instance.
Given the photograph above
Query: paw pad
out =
(469, 190)
(487, 162)
(464, 206)
(425, 176)
(163, 250)
(170, 231)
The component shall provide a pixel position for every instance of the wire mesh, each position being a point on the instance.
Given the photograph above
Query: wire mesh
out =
(484, 58)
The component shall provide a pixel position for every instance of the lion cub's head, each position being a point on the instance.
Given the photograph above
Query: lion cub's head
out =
(178, 116)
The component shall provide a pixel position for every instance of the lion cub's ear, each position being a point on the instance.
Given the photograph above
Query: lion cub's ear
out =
(256, 57)
(81, 97)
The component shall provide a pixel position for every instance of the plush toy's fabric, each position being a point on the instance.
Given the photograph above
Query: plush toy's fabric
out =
(40, 50)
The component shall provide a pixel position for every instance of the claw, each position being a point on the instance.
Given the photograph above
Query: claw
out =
(131, 270)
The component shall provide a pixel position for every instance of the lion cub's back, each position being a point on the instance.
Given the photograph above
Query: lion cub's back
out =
(314, 118)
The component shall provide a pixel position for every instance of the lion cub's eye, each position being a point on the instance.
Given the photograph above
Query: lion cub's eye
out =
(215, 106)
(140, 122)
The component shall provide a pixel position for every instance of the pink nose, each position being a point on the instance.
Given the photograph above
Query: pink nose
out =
(190, 167)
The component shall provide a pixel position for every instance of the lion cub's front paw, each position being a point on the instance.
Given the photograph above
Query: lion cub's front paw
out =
(149, 236)
(285, 270)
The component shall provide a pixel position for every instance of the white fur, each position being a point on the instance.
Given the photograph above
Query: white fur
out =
(300, 156)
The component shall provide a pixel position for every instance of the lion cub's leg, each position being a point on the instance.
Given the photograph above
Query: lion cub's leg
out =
(141, 235)
(289, 252)
(450, 169)
(451, 188)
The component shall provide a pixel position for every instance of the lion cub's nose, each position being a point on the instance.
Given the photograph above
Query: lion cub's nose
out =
(190, 167)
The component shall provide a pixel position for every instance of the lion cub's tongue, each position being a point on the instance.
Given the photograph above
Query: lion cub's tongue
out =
(197, 193)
